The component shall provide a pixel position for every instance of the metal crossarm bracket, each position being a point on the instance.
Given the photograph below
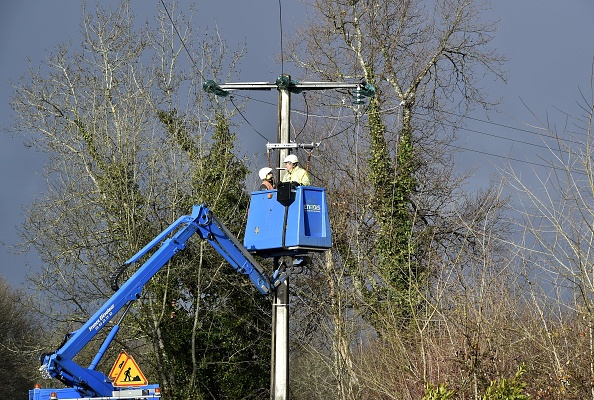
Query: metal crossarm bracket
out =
(284, 83)
(307, 146)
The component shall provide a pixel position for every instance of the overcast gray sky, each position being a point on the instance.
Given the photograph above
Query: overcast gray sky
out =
(550, 45)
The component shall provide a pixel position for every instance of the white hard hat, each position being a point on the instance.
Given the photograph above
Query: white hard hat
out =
(292, 158)
(263, 172)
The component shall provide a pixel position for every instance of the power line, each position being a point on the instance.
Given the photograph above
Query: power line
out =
(385, 111)
(498, 156)
(254, 99)
(492, 123)
(307, 114)
(182, 41)
(280, 20)
(463, 128)
(518, 160)
(500, 125)
(200, 74)
(246, 120)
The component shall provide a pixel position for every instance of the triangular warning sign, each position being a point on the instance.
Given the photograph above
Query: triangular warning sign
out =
(130, 374)
(117, 366)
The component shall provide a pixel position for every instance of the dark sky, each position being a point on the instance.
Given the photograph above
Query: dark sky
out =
(550, 45)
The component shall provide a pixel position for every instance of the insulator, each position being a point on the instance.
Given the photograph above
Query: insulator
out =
(358, 97)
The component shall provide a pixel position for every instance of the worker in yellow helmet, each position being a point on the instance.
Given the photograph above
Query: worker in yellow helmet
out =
(294, 172)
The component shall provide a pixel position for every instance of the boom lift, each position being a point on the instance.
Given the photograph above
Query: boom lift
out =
(286, 222)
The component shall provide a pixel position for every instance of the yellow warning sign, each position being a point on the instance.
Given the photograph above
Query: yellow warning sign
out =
(130, 374)
(117, 366)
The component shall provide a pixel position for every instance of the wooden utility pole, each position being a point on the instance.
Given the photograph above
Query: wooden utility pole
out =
(279, 374)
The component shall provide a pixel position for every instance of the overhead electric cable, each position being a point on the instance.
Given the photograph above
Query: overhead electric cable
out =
(198, 71)
(306, 116)
(462, 128)
(182, 41)
(497, 156)
(341, 117)
(454, 126)
(492, 123)
(337, 133)
(455, 146)
(387, 110)
(280, 18)
(246, 120)
(515, 159)
(243, 96)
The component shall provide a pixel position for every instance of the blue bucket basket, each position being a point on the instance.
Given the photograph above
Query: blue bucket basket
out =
(288, 221)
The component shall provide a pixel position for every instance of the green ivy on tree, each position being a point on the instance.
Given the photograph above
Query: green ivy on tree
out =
(233, 337)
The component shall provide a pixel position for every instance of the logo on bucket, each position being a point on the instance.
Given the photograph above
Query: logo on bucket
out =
(312, 208)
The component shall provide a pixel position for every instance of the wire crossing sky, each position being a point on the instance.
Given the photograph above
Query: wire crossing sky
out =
(549, 45)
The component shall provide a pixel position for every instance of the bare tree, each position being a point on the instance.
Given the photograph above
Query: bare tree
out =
(555, 209)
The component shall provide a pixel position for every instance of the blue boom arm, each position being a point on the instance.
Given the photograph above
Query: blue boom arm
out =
(92, 383)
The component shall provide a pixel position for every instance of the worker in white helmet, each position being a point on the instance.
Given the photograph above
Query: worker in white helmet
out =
(294, 172)
(267, 178)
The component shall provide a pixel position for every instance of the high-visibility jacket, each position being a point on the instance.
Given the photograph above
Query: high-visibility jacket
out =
(297, 174)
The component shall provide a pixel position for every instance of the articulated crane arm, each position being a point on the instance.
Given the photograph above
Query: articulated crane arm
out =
(91, 383)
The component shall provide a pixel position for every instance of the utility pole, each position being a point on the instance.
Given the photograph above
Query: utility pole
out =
(279, 374)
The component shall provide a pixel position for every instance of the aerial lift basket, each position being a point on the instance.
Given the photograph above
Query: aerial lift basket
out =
(289, 220)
